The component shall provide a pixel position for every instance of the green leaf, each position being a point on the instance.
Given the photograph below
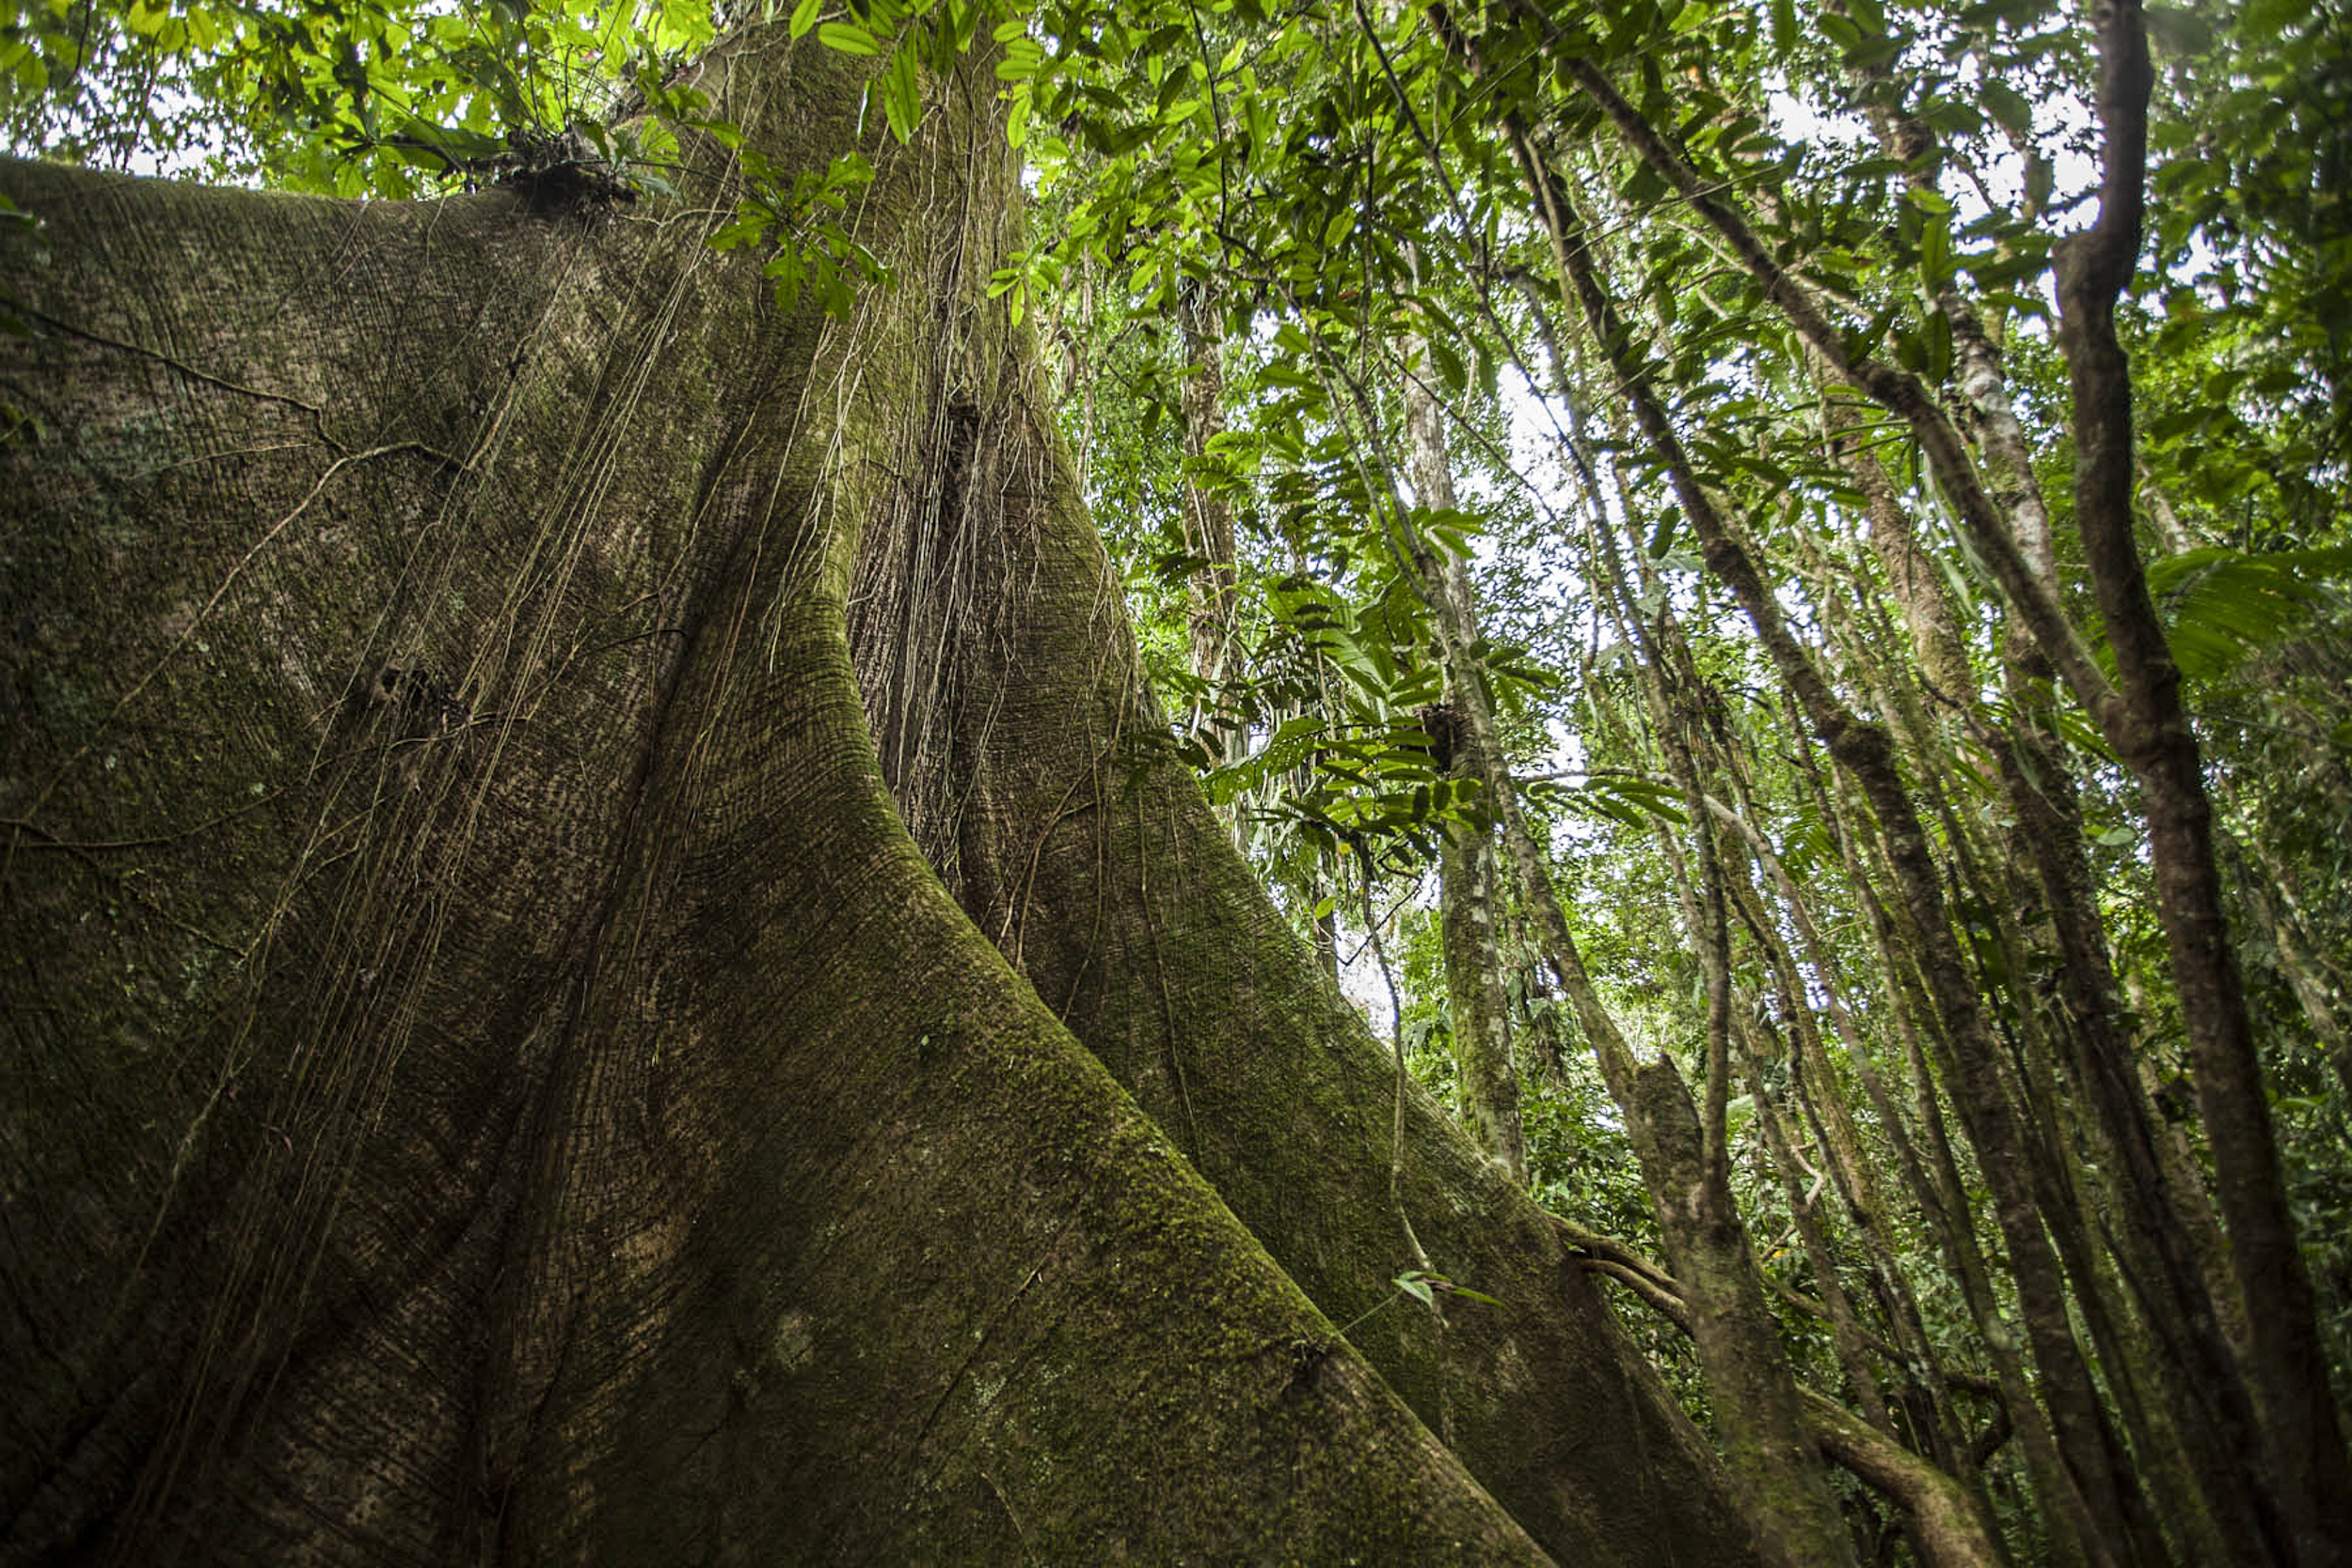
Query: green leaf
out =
(1935, 255)
(614, 39)
(1661, 538)
(1292, 746)
(1466, 1293)
(1024, 59)
(2222, 605)
(748, 228)
(1450, 367)
(902, 102)
(2008, 107)
(2178, 31)
(849, 38)
(804, 16)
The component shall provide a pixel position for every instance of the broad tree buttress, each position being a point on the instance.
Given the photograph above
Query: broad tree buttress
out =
(606, 961)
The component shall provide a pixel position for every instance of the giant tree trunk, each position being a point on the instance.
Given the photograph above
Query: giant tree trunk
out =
(577, 849)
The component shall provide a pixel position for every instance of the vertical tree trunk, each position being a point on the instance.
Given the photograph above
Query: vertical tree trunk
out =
(1208, 514)
(2288, 1370)
(1482, 1041)
(1772, 1455)
(495, 1078)
(2143, 722)
(1466, 865)
(1863, 750)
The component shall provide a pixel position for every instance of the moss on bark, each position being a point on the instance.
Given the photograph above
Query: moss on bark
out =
(493, 1074)
(1097, 867)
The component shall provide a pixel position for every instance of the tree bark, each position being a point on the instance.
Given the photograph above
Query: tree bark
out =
(1465, 860)
(499, 719)
(2139, 714)
(1208, 514)
(1864, 753)
(2287, 1368)
(1952, 1533)
(1682, 1156)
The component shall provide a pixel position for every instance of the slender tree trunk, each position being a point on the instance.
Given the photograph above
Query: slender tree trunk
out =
(1466, 864)
(1915, 1019)
(1208, 514)
(2288, 1370)
(2141, 718)
(2322, 985)
(2208, 1413)
(1846, 1332)
(1684, 1166)
(1863, 749)
(2203, 1427)
(1758, 1418)
(1482, 1041)
(1927, 1395)
(1927, 609)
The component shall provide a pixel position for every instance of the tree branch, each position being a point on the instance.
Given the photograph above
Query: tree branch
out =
(1950, 1532)
(1896, 390)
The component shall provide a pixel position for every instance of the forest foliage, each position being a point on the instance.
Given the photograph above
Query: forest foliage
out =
(1788, 584)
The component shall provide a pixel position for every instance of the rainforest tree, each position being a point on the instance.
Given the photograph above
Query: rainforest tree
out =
(606, 957)
(615, 953)
(1868, 385)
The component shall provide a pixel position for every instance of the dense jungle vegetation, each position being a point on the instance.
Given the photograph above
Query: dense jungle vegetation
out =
(1766, 585)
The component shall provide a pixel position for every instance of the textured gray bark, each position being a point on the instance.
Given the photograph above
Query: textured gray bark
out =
(576, 852)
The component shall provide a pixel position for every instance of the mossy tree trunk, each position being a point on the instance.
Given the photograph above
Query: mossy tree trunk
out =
(606, 961)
